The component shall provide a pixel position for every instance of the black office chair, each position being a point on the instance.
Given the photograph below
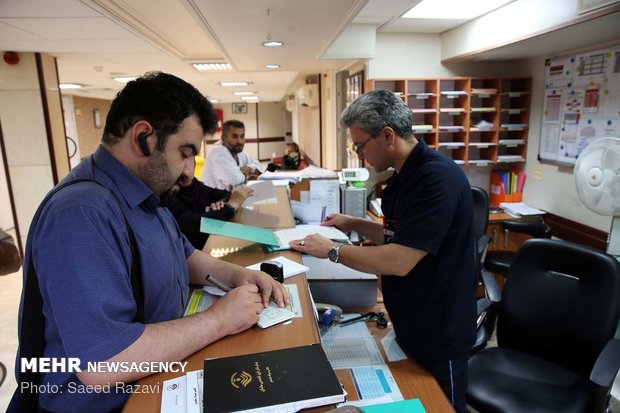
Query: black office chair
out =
(555, 333)
(2, 374)
(487, 306)
(499, 261)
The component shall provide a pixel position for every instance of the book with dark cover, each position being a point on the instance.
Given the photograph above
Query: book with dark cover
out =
(298, 377)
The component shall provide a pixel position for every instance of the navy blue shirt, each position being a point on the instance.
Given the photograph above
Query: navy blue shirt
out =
(428, 206)
(82, 256)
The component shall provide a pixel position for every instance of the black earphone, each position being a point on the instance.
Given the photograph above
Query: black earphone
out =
(143, 145)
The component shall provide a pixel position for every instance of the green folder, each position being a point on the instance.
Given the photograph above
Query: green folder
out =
(240, 231)
(403, 406)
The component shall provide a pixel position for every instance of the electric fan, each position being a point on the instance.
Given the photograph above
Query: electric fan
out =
(597, 178)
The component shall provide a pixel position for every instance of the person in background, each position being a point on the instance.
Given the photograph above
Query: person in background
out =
(226, 165)
(289, 161)
(82, 255)
(10, 260)
(195, 200)
(422, 247)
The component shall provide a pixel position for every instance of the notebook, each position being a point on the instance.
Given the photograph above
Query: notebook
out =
(270, 380)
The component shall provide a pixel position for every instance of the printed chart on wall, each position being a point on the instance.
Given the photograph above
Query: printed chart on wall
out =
(581, 103)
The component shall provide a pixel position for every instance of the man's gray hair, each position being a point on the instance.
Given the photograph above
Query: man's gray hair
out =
(375, 110)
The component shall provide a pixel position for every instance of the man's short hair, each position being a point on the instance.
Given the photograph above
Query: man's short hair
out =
(161, 99)
(375, 110)
(232, 123)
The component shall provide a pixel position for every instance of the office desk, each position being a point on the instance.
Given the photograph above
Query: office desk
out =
(413, 381)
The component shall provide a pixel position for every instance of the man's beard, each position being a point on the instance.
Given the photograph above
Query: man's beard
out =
(157, 176)
(235, 149)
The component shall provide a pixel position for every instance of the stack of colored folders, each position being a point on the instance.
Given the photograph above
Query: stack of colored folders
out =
(506, 186)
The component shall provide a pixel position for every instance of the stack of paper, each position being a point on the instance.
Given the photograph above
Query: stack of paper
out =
(520, 209)
(285, 236)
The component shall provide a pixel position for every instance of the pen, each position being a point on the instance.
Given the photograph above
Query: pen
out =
(217, 283)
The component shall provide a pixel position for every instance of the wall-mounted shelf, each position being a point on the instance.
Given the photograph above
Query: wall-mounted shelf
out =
(476, 121)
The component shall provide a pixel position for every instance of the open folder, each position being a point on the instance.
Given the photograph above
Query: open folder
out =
(240, 231)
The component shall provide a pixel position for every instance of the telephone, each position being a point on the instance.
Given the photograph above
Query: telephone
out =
(375, 207)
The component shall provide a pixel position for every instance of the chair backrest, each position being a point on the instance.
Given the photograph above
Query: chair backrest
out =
(536, 229)
(560, 302)
(481, 211)
(481, 220)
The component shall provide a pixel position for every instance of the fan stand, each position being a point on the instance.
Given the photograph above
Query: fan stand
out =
(613, 240)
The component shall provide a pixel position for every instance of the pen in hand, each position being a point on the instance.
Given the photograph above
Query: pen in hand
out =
(217, 283)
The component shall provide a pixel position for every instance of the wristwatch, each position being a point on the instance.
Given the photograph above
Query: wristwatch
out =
(334, 253)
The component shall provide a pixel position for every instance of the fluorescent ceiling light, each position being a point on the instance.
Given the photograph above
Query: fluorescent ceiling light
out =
(235, 84)
(65, 86)
(453, 9)
(243, 93)
(249, 97)
(212, 66)
(214, 100)
(272, 43)
(125, 79)
(272, 66)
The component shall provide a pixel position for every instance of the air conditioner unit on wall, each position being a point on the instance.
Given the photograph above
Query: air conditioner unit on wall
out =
(308, 95)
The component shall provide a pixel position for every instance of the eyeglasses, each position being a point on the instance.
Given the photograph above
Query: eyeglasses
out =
(359, 150)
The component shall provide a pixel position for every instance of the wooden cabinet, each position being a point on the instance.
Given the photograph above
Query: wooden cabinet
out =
(501, 239)
(474, 121)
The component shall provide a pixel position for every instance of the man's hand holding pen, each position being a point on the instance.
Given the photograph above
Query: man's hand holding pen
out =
(268, 288)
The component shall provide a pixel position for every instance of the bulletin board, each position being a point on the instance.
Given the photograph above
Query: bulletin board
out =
(581, 103)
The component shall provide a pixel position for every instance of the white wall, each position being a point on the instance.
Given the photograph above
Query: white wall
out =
(263, 120)
(516, 20)
(6, 214)
(401, 55)
(555, 192)
(25, 138)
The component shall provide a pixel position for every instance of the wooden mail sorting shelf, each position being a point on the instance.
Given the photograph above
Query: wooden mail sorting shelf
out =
(489, 117)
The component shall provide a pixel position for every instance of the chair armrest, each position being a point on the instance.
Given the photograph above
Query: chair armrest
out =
(483, 241)
(607, 364)
(491, 287)
(603, 374)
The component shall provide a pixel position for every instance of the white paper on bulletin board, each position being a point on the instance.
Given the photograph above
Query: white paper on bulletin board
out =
(581, 103)
(558, 72)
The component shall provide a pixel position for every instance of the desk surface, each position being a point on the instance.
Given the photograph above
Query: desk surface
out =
(413, 381)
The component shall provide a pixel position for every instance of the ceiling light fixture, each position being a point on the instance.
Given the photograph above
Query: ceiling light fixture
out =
(272, 43)
(243, 93)
(65, 86)
(235, 84)
(125, 79)
(249, 97)
(269, 42)
(453, 9)
(203, 67)
(272, 66)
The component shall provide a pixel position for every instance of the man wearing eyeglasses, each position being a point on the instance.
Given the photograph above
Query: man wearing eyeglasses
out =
(422, 248)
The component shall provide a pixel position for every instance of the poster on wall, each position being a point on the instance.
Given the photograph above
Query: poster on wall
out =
(549, 142)
(558, 72)
(581, 103)
(591, 68)
(553, 105)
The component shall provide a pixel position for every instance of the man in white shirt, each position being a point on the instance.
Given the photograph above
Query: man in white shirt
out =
(226, 165)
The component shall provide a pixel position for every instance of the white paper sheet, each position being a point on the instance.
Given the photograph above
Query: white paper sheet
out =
(264, 191)
(391, 348)
(174, 398)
